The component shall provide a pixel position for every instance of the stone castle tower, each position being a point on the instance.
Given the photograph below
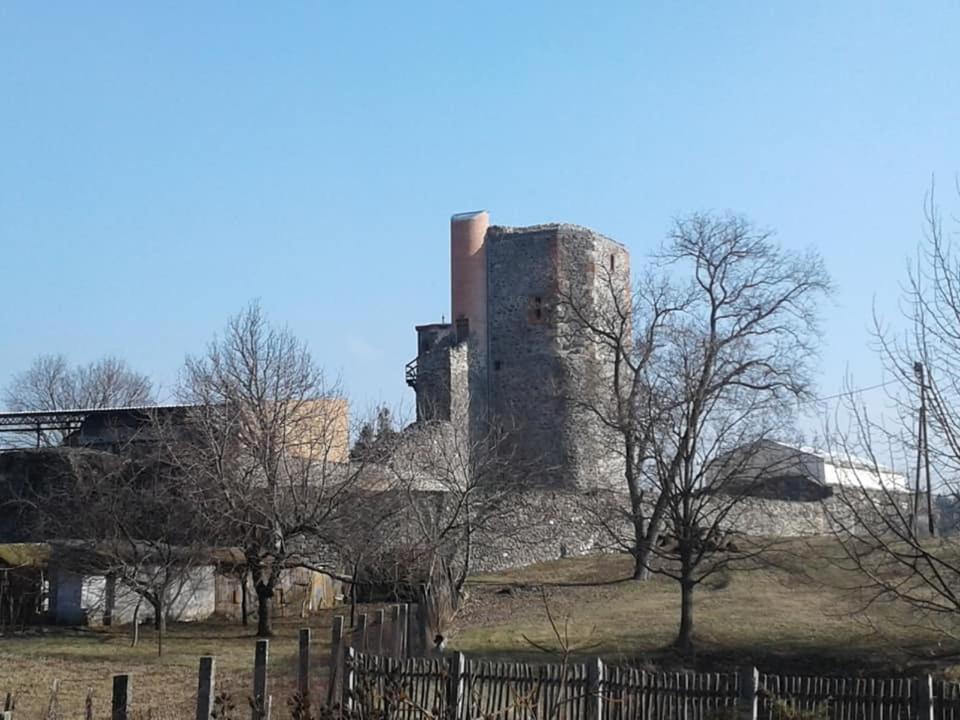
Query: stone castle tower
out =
(506, 355)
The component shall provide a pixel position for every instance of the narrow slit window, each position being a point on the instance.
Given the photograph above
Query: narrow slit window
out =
(463, 329)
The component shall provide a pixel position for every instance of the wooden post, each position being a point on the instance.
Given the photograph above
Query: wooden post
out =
(927, 698)
(260, 680)
(122, 696)
(336, 662)
(395, 638)
(456, 667)
(747, 702)
(595, 689)
(303, 666)
(378, 633)
(205, 687)
(403, 646)
(360, 637)
(348, 680)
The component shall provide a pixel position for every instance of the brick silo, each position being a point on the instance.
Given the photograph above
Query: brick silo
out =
(468, 279)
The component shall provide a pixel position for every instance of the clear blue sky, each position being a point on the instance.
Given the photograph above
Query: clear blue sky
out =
(162, 164)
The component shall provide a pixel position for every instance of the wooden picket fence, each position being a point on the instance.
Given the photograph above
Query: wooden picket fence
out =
(458, 688)
(372, 675)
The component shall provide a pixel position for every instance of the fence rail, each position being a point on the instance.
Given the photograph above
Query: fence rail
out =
(385, 683)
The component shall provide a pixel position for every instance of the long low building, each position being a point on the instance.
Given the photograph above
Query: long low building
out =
(778, 470)
(46, 582)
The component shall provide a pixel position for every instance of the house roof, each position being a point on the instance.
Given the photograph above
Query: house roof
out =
(844, 460)
(32, 555)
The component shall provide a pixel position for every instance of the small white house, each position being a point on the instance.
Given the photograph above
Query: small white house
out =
(89, 599)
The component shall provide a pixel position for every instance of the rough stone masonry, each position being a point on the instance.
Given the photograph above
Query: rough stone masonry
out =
(503, 355)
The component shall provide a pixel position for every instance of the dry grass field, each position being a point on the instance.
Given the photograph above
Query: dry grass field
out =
(794, 611)
(84, 660)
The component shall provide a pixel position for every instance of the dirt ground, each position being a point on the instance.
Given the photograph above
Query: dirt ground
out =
(793, 611)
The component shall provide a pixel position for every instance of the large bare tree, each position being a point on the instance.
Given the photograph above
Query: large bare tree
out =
(709, 354)
(266, 446)
(629, 327)
(741, 354)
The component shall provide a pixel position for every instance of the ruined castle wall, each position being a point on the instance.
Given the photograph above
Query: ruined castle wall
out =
(566, 524)
(525, 368)
(534, 365)
(595, 274)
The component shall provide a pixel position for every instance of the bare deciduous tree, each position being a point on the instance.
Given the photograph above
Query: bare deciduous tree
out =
(629, 328)
(740, 355)
(266, 447)
(457, 501)
(137, 528)
(699, 367)
(51, 384)
(883, 526)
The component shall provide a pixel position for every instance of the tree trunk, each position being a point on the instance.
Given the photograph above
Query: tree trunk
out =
(244, 608)
(647, 541)
(353, 594)
(136, 623)
(685, 636)
(160, 622)
(264, 621)
(640, 569)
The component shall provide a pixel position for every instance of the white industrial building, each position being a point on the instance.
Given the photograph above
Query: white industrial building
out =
(792, 472)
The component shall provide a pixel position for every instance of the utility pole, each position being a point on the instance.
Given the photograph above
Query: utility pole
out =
(923, 451)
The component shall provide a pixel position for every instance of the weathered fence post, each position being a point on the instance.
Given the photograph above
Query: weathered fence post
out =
(456, 667)
(595, 689)
(259, 711)
(412, 639)
(336, 661)
(379, 632)
(395, 631)
(349, 679)
(927, 698)
(303, 665)
(205, 684)
(360, 637)
(122, 697)
(747, 702)
(403, 646)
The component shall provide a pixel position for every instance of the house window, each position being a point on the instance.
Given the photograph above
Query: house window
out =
(613, 262)
(538, 308)
(496, 365)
